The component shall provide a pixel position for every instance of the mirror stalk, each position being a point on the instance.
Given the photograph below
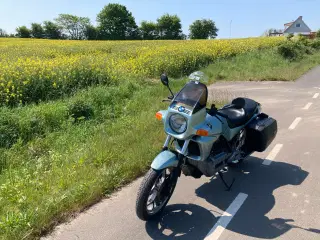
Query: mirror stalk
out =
(171, 91)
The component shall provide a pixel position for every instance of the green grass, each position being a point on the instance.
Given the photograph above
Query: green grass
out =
(45, 179)
(56, 166)
(265, 65)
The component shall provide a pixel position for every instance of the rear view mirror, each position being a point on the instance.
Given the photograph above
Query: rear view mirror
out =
(164, 79)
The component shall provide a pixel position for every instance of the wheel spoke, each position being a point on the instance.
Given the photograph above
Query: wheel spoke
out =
(150, 204)
(160, 192)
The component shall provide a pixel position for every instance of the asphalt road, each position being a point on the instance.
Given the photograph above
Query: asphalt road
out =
(277, 198)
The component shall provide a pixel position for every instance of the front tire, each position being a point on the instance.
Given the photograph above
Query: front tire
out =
(156, 189)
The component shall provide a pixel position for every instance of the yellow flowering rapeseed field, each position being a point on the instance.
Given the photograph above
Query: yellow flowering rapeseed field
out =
(37, 70)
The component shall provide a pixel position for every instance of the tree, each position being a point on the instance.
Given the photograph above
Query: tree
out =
(91, 33)
(184, 36)
(169, 27)
(75, 27)
(23, 32)
(3, 33)
(115, 22)
(203, 29)
(318, 34)
(149, 30)
(37, 30)
(52, 30)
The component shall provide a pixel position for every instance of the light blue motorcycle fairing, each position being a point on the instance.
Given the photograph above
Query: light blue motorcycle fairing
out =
(164, 160)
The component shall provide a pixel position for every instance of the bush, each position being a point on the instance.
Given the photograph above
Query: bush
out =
(291, 50)
(290, 36)
(301, 37)
(315, 44)
(80, 110)
(9, 131)
(304, 40)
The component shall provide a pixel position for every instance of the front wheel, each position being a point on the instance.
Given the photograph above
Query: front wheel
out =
(155, 192)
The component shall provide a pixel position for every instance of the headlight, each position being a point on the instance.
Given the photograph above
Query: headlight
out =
(178, 123)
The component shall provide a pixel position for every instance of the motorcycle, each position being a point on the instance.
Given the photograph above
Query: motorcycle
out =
(206, 141)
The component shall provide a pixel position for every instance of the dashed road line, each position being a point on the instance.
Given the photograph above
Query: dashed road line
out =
(295, 123)
(226, 217)
(272, 155)
(307, 106)
(315, 95)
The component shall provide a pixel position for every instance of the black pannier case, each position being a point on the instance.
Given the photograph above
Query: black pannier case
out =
(260, 133)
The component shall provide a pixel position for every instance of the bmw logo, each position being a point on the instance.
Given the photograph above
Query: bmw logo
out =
(181, 109)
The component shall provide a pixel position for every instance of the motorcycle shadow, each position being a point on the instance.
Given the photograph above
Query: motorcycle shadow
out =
(181, 221)
(191, 221)
(259, 182)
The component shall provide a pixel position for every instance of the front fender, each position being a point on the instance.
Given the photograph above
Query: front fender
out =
(164, 160)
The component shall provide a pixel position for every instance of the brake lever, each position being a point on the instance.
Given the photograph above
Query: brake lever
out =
(170, 97)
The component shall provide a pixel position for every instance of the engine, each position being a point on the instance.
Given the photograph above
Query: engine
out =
(216, 161)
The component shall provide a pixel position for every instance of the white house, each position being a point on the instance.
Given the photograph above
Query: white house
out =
(297, 27)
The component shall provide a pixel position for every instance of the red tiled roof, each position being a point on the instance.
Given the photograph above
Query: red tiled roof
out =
(288, 24)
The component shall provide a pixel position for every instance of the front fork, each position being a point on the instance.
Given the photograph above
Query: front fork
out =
(181, 154)
(184, 148)
(166, 143)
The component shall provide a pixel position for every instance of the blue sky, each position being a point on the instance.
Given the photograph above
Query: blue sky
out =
(249, 17)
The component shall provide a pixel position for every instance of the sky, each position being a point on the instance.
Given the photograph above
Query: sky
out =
(241, 18)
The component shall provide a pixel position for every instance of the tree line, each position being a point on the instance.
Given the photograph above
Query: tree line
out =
(115, 22)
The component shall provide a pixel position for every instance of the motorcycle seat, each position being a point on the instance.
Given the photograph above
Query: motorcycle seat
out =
(240, 116)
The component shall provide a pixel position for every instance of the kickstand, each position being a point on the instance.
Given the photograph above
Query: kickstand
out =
(224, 182)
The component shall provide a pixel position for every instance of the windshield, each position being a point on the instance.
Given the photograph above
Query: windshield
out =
(193, 94)
(198, 76)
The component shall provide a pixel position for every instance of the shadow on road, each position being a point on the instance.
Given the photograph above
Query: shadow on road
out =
(258, 181)
(181, 221)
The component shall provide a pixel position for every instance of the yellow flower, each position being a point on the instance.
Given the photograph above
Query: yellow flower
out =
(25, 64)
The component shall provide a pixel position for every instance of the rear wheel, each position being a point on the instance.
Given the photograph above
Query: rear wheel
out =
(155, 191)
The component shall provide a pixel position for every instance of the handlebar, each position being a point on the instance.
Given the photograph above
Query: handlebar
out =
(214, 112)
(170, 98)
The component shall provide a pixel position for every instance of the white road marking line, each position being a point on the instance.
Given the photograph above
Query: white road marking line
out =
(307, 106)
(295, 123)
(226, 217)
(315, 95)
(272, 155)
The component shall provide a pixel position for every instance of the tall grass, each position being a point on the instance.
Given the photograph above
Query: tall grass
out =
(47, 178)
(265, 65)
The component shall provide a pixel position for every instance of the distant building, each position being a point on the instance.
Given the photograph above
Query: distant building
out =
(297, 27)
(276, 33)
